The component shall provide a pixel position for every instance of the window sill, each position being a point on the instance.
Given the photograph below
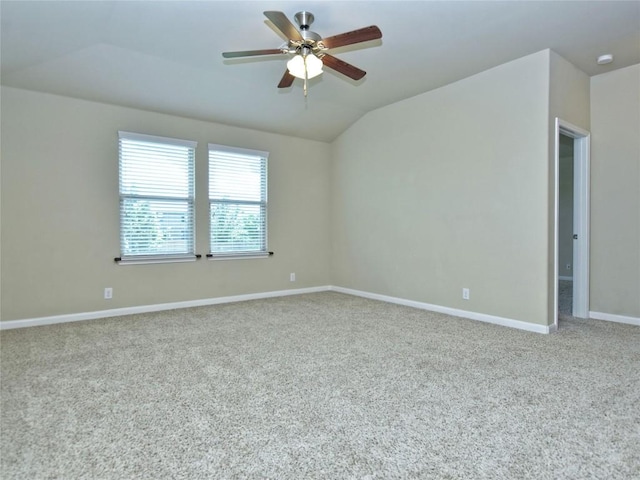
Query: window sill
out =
(238, 256)
(156, 259)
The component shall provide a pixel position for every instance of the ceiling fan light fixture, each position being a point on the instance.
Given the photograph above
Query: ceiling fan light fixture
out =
(299, 62)
(309, 48)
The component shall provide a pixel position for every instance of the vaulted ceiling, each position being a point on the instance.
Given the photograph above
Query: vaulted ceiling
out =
(165, 56)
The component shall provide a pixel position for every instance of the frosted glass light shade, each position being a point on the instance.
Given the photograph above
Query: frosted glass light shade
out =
(314, 66)
(297, 64)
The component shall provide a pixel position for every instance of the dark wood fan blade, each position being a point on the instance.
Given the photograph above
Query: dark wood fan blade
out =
(287, 80)
(252, 53)
(343, 67)
(356, 36)
(283, 24)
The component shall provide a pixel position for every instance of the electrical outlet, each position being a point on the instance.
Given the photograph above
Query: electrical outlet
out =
(568, 266)
(292, 277)
(465, 293)
(108, 293)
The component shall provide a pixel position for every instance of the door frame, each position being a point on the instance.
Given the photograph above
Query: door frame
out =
(581, 209)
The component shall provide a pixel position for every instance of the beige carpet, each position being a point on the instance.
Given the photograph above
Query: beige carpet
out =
(565, 298)
(319, 386)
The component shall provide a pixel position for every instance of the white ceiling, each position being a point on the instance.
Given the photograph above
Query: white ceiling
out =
(165, 56)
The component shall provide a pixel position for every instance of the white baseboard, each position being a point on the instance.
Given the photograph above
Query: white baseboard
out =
(506, 322)
(116, 312)
(610, 317)
(565, 278)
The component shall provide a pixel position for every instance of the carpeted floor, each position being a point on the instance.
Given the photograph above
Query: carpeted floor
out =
(324, 386)
(565, 298)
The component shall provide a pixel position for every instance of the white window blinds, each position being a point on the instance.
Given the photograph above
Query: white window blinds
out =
(237, 201)
(156, 197)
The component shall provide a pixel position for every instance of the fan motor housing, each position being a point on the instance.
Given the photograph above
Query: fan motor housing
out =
(304, 19)
(311, 36)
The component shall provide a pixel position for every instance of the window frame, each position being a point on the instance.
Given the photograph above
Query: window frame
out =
(190, 199)
(263, 203)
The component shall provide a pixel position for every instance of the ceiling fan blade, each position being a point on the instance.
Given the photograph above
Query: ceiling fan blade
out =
(356, 36)
(252, 53)
(343, 67)
(287, 80)
(283, 24)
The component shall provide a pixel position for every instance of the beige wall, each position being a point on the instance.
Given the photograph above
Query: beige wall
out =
(60, 223)
(568, 94)
(417, 200)
(447, 190)
(615, 192)
(568, 101)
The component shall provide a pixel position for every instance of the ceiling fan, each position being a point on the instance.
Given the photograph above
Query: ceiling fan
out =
(310, 49)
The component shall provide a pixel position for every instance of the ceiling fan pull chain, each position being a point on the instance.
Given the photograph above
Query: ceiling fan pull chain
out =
(305, 77)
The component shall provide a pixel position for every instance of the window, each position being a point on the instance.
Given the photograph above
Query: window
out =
(156, 198)
(238, 201)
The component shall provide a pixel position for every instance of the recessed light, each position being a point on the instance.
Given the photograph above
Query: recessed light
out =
(604, 59)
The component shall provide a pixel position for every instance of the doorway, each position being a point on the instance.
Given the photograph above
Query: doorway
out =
(565, 226)
(571, 256)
